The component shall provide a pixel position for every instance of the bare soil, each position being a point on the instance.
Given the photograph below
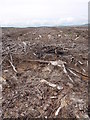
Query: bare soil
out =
(45, 72)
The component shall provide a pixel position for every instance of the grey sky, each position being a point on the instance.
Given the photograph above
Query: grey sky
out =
(43, 12)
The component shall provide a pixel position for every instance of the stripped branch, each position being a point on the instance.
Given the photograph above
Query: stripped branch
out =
(79, 72)
(63, 104)
(51, 84)
(73, 73)
(14, 69)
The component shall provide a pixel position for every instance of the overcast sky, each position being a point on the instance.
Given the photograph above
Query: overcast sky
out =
(43, 12)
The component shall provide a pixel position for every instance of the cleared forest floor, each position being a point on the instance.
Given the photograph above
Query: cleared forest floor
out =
(45, 72)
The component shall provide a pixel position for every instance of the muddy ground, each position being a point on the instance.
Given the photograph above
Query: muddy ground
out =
(45, 72)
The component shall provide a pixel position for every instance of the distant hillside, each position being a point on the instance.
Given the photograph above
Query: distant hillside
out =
(86, 25)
